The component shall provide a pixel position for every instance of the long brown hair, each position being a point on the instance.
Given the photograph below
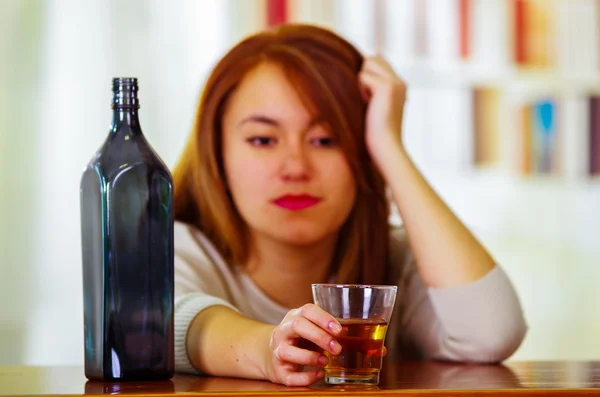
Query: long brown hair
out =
(324, 68)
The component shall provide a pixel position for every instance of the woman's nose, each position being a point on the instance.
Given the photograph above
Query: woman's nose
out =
(295, 165)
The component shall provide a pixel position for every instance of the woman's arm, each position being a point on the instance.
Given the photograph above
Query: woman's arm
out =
(212, 337)
(458, 305)
(222, 342)
(479, 322)
(446, 252)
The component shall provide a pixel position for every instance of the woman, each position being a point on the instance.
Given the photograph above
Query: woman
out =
(283, 184)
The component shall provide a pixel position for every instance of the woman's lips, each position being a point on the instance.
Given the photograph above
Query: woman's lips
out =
(296, 202)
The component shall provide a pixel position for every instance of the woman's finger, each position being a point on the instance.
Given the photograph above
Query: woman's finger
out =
(302, 378)
(376, 83)
(320, 317)
(303, 328)
(372, 82)
(296, 355)
(379, 66)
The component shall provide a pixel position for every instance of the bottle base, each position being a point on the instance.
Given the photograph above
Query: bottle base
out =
(132, 376)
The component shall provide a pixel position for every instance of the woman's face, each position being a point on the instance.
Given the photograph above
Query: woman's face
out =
(288, 176)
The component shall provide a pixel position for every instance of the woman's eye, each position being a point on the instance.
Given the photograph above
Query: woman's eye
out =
(261, 141)
(325, 141)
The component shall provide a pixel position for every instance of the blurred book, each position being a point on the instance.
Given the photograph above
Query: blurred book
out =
(317, 12)
(526, 148)
(546, 136)
(577, 37)
(486, 125)
(533, 32)
(277, 12)
(539, 145)
(415, 126)
(400, 26)
(575, 126)
(489, 30)
(355, 21)
(450, 124)
(443, 33)
(464, 23)
(421, 26)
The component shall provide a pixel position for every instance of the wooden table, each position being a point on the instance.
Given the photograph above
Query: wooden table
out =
(398, 379)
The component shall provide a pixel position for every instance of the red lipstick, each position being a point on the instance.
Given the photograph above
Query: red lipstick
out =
(297, 202)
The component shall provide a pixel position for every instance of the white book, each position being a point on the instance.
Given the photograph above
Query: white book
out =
(354, 20)
(577, 38)
(244, 18)
(574, 137)
(450, 135)
(399, 30)
(489, 27)
(415, 127)
(316, 12)
(443, 35)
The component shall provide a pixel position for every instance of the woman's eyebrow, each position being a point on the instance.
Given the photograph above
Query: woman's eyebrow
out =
(259, 118)
(263, 119)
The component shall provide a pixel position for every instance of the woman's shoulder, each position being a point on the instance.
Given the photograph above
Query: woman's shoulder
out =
(199, 267)
(187, 237)
(192, 245)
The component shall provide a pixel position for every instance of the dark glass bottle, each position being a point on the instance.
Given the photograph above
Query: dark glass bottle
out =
(127, 246)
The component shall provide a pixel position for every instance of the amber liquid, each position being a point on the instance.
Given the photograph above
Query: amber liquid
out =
(361, 357)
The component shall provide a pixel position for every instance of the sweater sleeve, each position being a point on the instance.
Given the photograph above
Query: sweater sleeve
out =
(478, 322)
(199, 284)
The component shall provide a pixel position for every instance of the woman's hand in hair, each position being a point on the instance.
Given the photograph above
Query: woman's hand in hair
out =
(385, 93)
(446, 252)
(300, 327)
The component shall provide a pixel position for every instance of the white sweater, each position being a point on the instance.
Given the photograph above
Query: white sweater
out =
(478, 322)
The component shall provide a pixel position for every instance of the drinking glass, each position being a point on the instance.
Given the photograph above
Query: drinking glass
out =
(364, 312)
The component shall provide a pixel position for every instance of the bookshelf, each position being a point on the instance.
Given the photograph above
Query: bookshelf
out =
(498, 112)
(540, 56)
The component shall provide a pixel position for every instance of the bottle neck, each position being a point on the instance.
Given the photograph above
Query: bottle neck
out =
(125, 116)
(125, 105)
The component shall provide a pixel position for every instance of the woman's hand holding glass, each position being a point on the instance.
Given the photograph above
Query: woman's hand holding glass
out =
(287, 354)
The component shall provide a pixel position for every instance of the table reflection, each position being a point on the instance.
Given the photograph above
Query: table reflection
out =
(441, 375)
(404, 375)
(150, 387)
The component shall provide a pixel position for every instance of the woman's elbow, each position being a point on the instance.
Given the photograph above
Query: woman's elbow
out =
(498, 346)
(506, 343)
(483, 346)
